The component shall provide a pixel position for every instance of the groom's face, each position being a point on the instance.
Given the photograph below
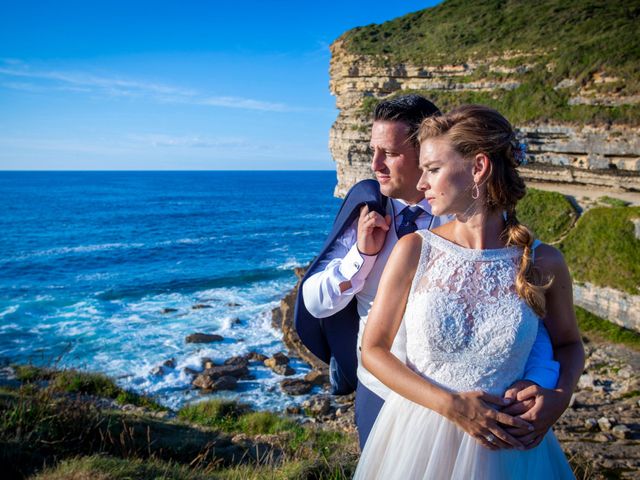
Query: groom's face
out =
(395, 160)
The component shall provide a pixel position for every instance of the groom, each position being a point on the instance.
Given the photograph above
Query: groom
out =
(337, 292)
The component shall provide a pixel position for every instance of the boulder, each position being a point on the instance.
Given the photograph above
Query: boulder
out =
(278, 359)
(317, 406)
(256, 357)
(237, 360)
(207, 379)
(295, 386)
(237, 371)
(293, 410)
(213, 383)
(207, 363)
(283, 370)
(200, 306)
(317, 377)
(282, 319)
(606, 424)
(171, 363)
(585, 381)
(591, 424)
(203, 338)
(225, 383)
(621, 432)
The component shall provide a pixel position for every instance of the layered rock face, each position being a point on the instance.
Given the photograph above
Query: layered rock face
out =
(604, 156)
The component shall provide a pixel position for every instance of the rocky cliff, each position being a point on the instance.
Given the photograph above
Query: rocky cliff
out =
(599, 154)
(565, 73)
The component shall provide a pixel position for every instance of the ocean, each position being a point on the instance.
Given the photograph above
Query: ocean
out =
(101, 270)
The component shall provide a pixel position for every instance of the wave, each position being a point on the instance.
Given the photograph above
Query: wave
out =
(9, 310)
(290, 265)
(104, 247)
(241, 277)
(59, 251)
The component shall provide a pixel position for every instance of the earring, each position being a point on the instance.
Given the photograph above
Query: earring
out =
(475, 191)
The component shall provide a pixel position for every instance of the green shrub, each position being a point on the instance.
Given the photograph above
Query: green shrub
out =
(602, 248)
(549, 214)
(255, 423)
(30, 373)
(594, 325)
(216, 413)
(73, 381)
(125, 397)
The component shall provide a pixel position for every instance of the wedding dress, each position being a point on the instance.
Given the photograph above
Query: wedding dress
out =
(467, 329)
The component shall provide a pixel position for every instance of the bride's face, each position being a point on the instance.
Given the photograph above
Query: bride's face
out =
(447, 177)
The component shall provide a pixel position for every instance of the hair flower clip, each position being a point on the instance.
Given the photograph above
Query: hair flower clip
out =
(520, 154)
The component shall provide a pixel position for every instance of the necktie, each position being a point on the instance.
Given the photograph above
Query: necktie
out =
(408, 224)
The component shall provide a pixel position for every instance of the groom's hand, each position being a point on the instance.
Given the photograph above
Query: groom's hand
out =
(372, 231)
(516, 407)
(543, 408)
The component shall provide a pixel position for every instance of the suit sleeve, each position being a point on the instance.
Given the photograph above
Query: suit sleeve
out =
(341, 263)
(541, 368)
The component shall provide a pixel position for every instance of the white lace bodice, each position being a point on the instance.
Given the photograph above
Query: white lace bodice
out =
(467, 329)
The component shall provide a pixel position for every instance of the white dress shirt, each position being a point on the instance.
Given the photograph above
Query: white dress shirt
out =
(344, 263)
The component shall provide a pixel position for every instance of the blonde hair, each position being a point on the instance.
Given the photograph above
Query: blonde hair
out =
(474, 129)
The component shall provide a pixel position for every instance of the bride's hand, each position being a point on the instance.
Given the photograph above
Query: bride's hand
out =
(476, 413)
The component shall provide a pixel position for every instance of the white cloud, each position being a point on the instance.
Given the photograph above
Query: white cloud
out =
(189, 141)
(83, 82)
(238, 102)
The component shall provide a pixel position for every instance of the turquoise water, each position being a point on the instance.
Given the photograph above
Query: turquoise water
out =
(89, 261)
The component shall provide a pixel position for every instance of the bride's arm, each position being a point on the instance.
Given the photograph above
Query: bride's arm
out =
(560, 320)
(472, 411)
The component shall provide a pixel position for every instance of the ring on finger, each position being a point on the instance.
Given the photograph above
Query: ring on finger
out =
(490, 438)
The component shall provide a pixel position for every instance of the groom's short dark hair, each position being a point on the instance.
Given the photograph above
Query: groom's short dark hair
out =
(409, 109)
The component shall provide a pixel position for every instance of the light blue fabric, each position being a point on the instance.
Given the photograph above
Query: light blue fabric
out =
(541, 368)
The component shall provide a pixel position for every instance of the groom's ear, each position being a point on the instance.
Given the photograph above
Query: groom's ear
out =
(481, 168)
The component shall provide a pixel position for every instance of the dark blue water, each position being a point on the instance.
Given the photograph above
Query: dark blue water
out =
(89, 260)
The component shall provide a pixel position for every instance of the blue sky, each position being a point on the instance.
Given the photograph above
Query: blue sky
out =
(190, 85)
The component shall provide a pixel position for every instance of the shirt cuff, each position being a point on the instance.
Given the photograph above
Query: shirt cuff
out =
(545, 377)
(355, 266)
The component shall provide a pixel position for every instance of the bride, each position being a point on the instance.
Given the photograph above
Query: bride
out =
(471, 294)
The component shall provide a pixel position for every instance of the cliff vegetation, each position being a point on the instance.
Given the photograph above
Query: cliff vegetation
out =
(555, 59)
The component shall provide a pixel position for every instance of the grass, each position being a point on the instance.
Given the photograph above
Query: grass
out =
(232, 417)
(602, 248)
(613, 202)
(41, 425)
(217, 413)
(549, 214)
(100, 467)
(594, 325)
(557, 39)
(532, 101)
(86, 383)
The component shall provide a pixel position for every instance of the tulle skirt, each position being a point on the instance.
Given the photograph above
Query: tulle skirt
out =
(410, 442)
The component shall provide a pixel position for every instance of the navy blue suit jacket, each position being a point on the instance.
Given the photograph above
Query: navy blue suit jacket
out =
(334, 339)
